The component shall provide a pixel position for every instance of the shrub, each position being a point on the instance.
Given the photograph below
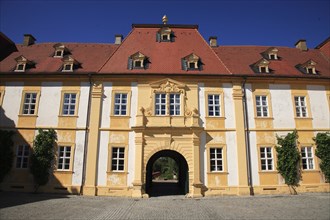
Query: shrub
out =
(322, 141)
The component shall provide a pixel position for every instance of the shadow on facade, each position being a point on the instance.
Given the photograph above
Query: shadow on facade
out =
(18, 183)
(167, 187)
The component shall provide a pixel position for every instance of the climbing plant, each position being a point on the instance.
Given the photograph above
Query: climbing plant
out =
(322, 141)
(288, 158)
(43, 156)
(7, 154)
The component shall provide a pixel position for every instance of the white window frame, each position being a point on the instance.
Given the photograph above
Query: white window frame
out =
(307, 158)
(160, 104)
(67, 70)
(266, 159)
(261, 106)
(272, 56)
(64, 159)
(215, 161)
(24, 155)
(300, 105)
(116, 159)
(71, 105)
(23, 67)
(175, 104)
(266, 69)
(214, 109)
(29, 103)
(120, 104)
(61, 51)
(310, 70)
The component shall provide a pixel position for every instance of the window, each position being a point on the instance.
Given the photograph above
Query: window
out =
(272, 56)
(29, 104)
(216, 159)
(307, 158)
(161, 103)
(69, 104)
(263, 69)
(20, 67)
(214, 105)
(165, 34)
(67, 67)
(138, 64)
(191, 62)
(300, 106)
(262, 66)
(310, 70)
(165, 37)
(118, 156)
(22, 156)
(58, 53)
(266, 158)
(64, 157)
(262, 106)
(120, 104)
(138, 61)
(309, 67)
(174, 104)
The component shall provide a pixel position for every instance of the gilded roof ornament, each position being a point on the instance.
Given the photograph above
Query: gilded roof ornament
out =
(165, 19)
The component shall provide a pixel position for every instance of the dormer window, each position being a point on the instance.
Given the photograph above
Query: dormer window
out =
(23, 64)
(69, 64)
(191, 62)
(165, 34)
(60, 50)
(308, 67)
(271, 54)
(262, 66)
(138, 61)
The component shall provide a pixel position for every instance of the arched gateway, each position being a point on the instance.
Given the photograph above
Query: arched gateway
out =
(181, 187)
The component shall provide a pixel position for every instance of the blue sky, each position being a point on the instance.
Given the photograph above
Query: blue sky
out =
(270, 23)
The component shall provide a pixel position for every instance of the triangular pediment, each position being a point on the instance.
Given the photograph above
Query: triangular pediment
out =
(262, 62)
(309, 63)
(167, 83)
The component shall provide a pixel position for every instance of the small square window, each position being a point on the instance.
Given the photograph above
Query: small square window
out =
(20, 67)
(59, 53)
(263, 69)
(310, 70)
(192, 65)
(272, 57)
(67, 67)
(165, 37)
(138, 63)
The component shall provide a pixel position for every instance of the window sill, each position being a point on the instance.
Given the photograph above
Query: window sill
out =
(310, 171)
(70, 116)
(215, 117)
(117, 172)
(218, 172)
(263, 118)
(120, 116)
(22, 115)
(63, 171)
(268, 171)
(303, 118)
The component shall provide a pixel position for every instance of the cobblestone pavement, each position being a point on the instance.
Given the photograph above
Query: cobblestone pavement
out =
(50, 206)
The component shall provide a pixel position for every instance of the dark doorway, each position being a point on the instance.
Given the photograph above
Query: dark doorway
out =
(165, 185)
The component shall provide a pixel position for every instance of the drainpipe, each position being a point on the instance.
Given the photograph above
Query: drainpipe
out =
(247, 139)
(86, 133)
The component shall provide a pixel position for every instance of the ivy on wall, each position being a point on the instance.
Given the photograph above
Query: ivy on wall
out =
(322, 141)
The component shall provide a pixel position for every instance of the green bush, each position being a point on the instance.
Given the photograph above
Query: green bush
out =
(43, 156)
(322, 141)
(288, 158)
(7, 154)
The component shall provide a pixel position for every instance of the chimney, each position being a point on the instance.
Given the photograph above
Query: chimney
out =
(118, 38)
(213, 41)
(28, 40)
(301, 44)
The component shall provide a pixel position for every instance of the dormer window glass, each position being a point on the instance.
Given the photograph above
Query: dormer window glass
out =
(191, 62)
(137, 61)
(20, 67)
(308, 67)
(60, 50)
(165, 34)
(69, 64)
(23, 64)
(262, 66)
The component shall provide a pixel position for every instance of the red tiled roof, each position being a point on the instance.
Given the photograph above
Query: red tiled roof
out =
(164, 57)
(91, 57)
(239, 59)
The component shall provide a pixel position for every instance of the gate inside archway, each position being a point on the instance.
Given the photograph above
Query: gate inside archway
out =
(166, 187)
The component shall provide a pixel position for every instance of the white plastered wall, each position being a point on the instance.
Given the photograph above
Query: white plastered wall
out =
(282, 106)
(83, 104)
(202, 149)
(104, 135)
(11, 104)
(319, 106)
(232, 159)
(78, 159)
(254, 159)
(250, 110)
(131, 144)
(49, 104)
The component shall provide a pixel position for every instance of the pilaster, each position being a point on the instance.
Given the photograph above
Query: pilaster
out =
(197, 184)
(137, 183)
(93, 139)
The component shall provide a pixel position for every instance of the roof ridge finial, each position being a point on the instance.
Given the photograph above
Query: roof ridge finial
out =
(165, 19)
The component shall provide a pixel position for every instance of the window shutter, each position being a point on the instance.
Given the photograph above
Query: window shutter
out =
(184, 64)
(158, 37)
(200, 65)
(146, 63)
(130, 63)
(172, 37)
